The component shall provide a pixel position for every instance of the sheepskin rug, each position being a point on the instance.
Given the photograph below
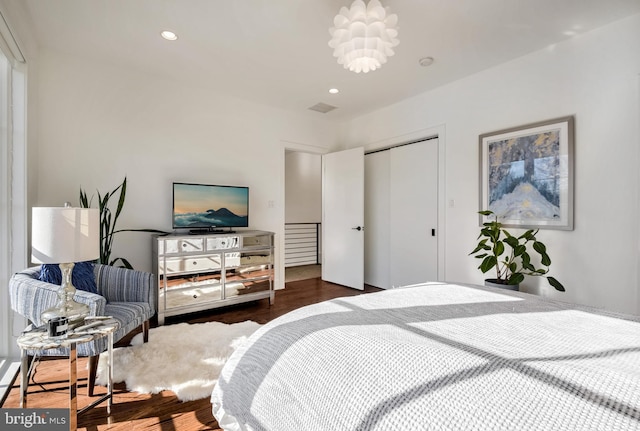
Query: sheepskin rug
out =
(183, 358)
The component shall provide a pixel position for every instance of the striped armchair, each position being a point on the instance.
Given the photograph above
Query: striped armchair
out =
(129, 296)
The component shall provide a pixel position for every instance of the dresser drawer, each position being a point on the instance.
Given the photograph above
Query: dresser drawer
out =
(183, 245)
(190, 264)
(222, 243)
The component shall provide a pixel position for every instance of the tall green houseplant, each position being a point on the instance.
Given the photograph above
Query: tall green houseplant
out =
(509, 255)
(108, 220)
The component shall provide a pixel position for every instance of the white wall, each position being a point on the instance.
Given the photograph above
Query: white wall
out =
(594, 77)
(99, 123)
(303, 188)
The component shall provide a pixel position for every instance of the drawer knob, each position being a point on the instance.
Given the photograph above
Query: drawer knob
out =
(195, 263)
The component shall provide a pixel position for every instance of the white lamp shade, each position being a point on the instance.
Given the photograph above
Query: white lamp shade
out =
(65, 235)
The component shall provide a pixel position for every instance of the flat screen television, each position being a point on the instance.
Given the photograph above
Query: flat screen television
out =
(209, 208)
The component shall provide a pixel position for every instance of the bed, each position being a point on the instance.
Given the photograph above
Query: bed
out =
(436, 357)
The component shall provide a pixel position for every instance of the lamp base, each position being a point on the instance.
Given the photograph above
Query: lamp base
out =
(67, 312)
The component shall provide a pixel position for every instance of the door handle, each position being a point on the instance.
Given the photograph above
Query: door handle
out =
(358, 228)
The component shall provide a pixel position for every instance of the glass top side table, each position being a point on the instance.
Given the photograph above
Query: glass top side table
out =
(35, 339)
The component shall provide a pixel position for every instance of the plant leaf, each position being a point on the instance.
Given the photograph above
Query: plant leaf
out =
(546, 260)
(516, 278)
(529, 235)
(84, 202)
(519, 250)
(512, 241)
(125, 262)
(478, 248)
(556, 284)
(488, 263)
(539, 247)
(123, 192)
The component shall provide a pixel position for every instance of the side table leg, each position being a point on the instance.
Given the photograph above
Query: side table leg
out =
(110, 379)
(73, 387)
(24, 377)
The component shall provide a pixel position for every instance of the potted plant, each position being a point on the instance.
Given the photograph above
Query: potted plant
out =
(108, 223)
(510, 255)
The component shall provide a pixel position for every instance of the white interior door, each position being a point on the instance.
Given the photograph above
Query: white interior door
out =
(343, 218)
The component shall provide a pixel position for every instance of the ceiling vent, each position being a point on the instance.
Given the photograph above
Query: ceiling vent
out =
(322, 107)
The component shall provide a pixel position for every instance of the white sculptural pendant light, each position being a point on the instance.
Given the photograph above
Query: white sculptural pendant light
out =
(363, 37)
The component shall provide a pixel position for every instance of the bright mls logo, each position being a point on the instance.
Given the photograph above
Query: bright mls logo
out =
(34, 419)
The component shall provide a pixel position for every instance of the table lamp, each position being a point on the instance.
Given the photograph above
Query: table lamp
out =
(63, 236)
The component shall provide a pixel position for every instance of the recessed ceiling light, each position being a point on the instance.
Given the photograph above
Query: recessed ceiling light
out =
(168, 35)
(334, 91)
(426, 61)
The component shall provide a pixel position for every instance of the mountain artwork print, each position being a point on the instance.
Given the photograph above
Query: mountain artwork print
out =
(524, 176)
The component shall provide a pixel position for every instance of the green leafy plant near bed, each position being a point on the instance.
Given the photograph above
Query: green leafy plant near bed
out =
(108, 220)
(510, 255)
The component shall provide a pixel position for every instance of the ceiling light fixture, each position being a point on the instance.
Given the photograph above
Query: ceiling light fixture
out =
(169, 35)
(334, 91)
(363, 36)
(426, 61)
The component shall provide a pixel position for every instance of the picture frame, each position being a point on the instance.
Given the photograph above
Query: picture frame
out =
(526, 175)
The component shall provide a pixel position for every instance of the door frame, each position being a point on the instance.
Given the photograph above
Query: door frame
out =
(423, 134)
(279, 239)
(438, 131)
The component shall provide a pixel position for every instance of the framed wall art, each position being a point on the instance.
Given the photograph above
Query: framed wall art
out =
(526, 175)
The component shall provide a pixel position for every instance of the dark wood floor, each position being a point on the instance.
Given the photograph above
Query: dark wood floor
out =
(164, 412)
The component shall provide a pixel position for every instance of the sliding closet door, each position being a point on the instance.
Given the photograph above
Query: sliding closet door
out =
(376, 219)
(413, 192)
(401, 215)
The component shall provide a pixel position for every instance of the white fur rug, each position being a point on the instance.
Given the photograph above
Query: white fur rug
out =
(182, 358)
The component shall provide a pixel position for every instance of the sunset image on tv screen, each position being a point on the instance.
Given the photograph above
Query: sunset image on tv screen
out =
(203, 206)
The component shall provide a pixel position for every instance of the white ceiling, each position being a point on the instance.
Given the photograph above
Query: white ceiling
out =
(276, 52)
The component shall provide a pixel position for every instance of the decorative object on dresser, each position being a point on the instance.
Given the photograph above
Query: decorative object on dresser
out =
(205, 271)
(161, 364)
(63, 236)
(511, 266)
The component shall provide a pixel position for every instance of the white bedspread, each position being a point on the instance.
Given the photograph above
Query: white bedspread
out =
(435, 357)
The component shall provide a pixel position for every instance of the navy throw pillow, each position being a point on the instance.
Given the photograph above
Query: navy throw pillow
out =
(82, 276)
